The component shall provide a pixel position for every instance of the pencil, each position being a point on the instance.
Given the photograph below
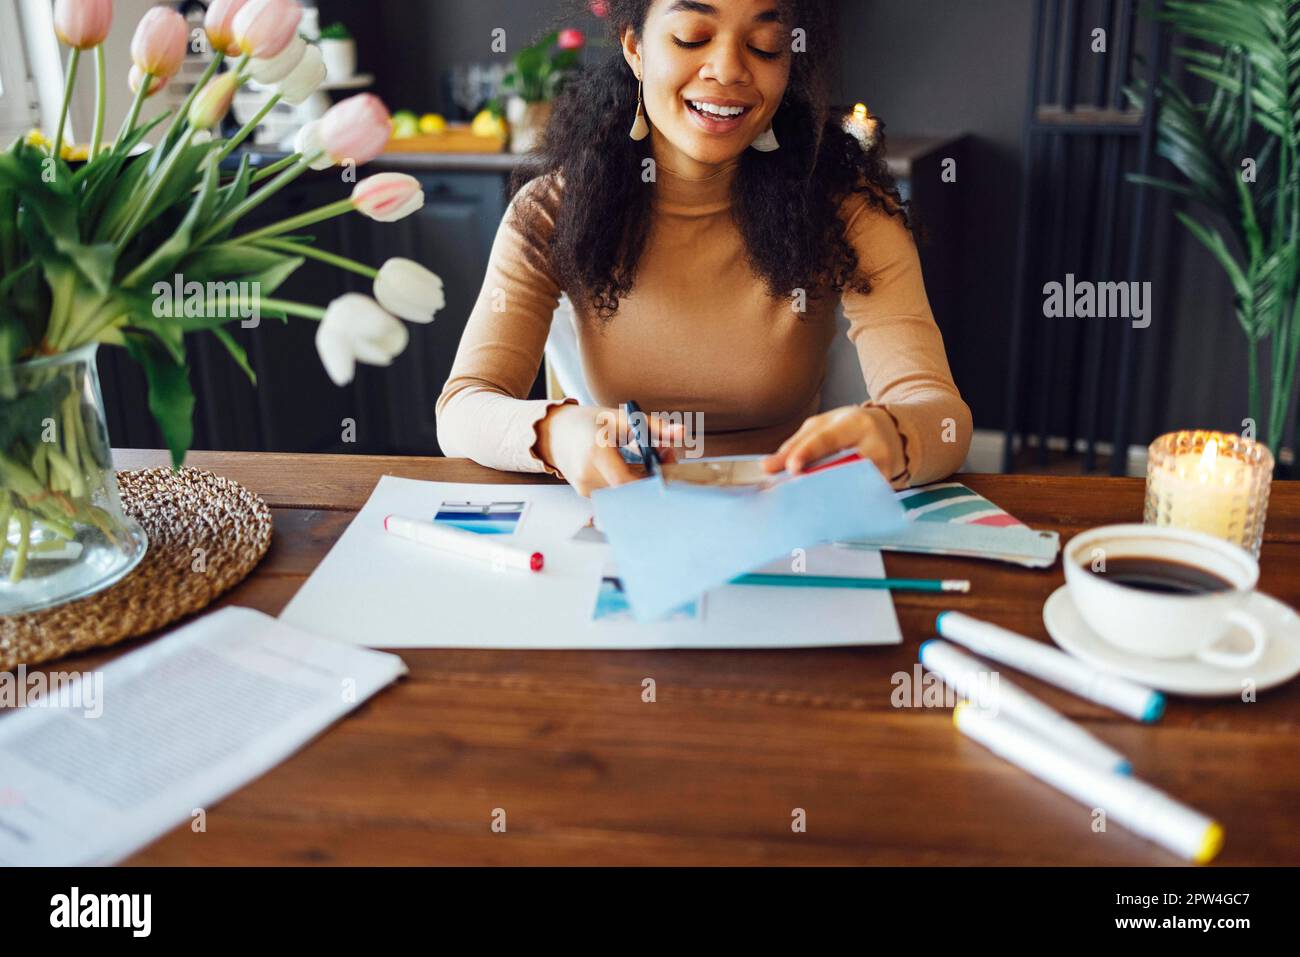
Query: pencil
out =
(835, 581)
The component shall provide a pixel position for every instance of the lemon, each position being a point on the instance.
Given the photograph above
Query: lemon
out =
(432, 124)
(488, 124)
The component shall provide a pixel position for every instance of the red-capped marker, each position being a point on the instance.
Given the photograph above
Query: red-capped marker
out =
(454, 541)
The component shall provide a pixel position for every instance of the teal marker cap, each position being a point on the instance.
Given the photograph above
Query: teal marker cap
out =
(1155, 707)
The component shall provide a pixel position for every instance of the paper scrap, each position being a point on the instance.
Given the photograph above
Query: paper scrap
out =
(673, 542)
(181, 723)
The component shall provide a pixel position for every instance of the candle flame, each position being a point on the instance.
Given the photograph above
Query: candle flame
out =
(1210, 455)
(860, 112)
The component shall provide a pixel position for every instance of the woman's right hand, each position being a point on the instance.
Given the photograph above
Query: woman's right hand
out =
(581, 442)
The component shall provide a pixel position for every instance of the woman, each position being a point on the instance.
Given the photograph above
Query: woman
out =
(704, 261)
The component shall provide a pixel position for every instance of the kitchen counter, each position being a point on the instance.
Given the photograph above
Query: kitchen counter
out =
(449, 162)
(904, 152)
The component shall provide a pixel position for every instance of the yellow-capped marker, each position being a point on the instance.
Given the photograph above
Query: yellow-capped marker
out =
(1211, 845)
(1138, 806)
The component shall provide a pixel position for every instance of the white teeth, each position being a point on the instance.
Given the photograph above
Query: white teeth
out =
(715, 110)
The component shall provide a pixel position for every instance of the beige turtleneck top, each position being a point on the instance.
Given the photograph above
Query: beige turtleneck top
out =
(699, 334)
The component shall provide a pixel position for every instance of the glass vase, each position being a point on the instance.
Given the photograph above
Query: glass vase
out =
(65, 535)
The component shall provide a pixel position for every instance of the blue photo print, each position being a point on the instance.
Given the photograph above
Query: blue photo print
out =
(611, 604)
(482, 518)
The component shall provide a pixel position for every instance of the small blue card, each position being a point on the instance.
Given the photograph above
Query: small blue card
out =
(674, 541)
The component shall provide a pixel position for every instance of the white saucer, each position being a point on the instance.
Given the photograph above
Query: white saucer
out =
(1185, 676)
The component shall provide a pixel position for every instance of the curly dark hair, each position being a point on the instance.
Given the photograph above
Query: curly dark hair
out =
(785, 203)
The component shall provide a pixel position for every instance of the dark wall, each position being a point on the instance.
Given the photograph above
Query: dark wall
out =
(948, 66)
(951, 66)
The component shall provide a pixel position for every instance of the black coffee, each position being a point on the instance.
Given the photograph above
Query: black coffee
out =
(1161, 575)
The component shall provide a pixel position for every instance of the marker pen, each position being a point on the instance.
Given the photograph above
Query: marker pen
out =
(1051, 665)
(1138, 806)
(455, 541)
(962, 672)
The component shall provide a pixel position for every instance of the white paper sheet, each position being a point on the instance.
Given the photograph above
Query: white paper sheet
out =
(386, 592)
(185, 721)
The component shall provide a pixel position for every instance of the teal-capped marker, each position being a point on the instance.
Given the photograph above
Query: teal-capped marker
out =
(841, 581)
(1052, 665)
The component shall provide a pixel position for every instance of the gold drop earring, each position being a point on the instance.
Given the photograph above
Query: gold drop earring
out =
(640, 128)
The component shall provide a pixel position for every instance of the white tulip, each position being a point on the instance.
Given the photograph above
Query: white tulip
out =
(305, 79)
(409, 291)
(307, 142)
(355, 329)
(276, 68)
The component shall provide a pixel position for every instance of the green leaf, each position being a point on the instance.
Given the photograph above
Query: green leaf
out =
(25, 412)
(117, 204)
(230, 196)
(179, 183)
(225, 260)
(48, 197)
(164, 259)
(269, 280)
(233, 262)
(1213, 241)
(1169, 186)
(96, 263)
(14, 277)
(8, 229)
(171, 400)
(13, 342)
(102, 177)
(236, 352)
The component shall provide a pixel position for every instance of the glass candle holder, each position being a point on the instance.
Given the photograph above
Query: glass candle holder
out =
(1211, 482)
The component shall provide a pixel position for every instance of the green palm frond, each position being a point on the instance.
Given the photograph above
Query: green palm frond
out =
(1238, 153)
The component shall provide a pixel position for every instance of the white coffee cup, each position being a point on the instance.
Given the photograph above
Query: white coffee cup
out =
(1163, 625)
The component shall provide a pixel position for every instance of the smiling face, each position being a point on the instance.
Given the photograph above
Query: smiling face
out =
(715, 72)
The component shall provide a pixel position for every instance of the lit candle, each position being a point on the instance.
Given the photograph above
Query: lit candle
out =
(1210, 482)
(861, 125)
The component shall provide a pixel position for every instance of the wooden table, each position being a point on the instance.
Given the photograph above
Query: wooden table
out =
(713, 770)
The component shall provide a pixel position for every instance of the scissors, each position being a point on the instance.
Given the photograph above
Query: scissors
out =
(640, 425)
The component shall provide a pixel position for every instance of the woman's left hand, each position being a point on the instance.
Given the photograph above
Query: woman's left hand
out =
(868, 431)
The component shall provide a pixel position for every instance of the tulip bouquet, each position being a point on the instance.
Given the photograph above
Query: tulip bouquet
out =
(90, 252)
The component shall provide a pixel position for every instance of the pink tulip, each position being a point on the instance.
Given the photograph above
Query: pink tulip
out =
(263, 28)
(219, 25)
(356, 130)
(388, 197)
(83, 24)
(158, 47)
(135, 77)
(571, 39)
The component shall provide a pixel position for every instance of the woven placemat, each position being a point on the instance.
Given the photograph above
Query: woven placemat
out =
(180, 511)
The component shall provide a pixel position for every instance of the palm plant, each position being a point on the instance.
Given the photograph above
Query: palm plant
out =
(1238, 151)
